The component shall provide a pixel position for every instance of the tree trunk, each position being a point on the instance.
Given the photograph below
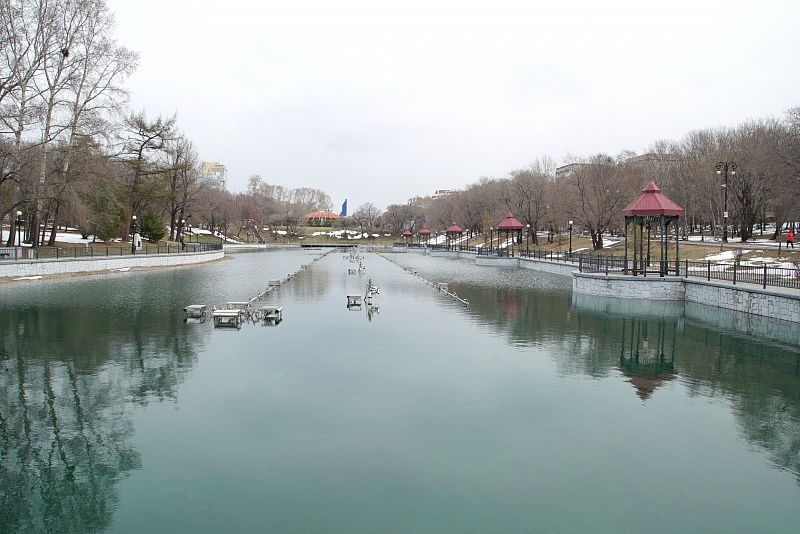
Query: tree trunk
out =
(52, 241)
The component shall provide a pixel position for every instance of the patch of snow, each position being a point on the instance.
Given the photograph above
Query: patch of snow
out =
(722, 256)
(73, 238)
(29, 278)
(760, 259)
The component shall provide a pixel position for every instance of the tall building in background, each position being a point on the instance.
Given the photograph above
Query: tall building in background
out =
(215, 174)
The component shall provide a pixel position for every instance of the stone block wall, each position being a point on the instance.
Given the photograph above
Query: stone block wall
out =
(745, 299)
(496, 261)
(21, 268)
(554, 267)
(628, 287)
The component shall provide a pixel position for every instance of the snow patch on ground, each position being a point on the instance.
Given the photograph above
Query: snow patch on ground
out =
(726, 255)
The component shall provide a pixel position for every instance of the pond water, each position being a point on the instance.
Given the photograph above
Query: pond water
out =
(529, 411)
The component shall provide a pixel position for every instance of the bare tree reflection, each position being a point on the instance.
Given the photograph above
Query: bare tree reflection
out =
(649, 344)
(68, 384)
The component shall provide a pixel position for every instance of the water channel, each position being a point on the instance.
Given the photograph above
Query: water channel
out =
(531, 410)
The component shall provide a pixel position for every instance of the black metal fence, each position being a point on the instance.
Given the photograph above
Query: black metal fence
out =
(93, 251)
(763, 275)
(735, 272)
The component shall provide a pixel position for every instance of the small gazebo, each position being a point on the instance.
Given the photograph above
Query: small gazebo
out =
(407, 234)
(652, 210)
(452, 231)
(321, 217)
(424, 232)
(510, 225)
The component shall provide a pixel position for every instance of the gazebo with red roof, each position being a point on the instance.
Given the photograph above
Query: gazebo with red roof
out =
(424, 232)
(510, 225)
(406, 233)
(324, 217)
(652, 207)
(452, 231)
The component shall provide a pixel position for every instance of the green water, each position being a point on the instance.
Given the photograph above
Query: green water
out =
(529, 411)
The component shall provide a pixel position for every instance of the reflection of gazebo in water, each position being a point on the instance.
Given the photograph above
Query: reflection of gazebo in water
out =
(450, 234)
(510, 225)
(650, 209)
(424, 232)
(644, 360)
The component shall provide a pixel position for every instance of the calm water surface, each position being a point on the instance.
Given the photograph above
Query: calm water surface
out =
(530, 411)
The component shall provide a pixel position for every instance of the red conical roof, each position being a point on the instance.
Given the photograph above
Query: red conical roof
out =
(407, 233)
(322, 214)
(652, 202)
(510, 223)
(454, 229)
(424, 231)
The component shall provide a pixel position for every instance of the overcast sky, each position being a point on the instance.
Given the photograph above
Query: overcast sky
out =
(379, 101)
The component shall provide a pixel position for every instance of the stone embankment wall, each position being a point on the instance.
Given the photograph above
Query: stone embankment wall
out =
(745, 299)
(565, 269)
(629, 287)
(495, 261)
(21, 268)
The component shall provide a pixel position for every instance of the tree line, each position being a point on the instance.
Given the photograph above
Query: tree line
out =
(73, 153)
(762, 157)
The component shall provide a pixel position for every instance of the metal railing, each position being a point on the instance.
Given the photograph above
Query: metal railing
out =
(763, 275)
(94, 251)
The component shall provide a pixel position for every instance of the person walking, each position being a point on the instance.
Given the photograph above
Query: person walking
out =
(790, 239)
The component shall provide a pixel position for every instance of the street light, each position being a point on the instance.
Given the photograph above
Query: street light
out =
(723, 166)
(133, 234)
(183, 221)
(491, 239)
(528, 240)
(570, 238)
(20, 223)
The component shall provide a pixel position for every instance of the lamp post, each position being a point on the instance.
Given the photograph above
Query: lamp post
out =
(723, 166)
(20, 222)
(570, 239)
(183, 222)
(491, 239)
(133, 234)
(528, 240)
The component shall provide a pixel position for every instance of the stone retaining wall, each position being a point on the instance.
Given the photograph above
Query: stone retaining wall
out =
(629, 287)
(496, 261)
(742, 298)
(20, 268)
(564, 269)
(745, 299)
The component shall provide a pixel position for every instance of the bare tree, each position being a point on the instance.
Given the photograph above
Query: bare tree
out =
(597, 188)
(403, 216)
(183, 183)
(527, 196)
(367, 215)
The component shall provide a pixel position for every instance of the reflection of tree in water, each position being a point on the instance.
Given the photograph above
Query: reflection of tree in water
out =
(67, 382)
(763, 382)
(760, 379)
